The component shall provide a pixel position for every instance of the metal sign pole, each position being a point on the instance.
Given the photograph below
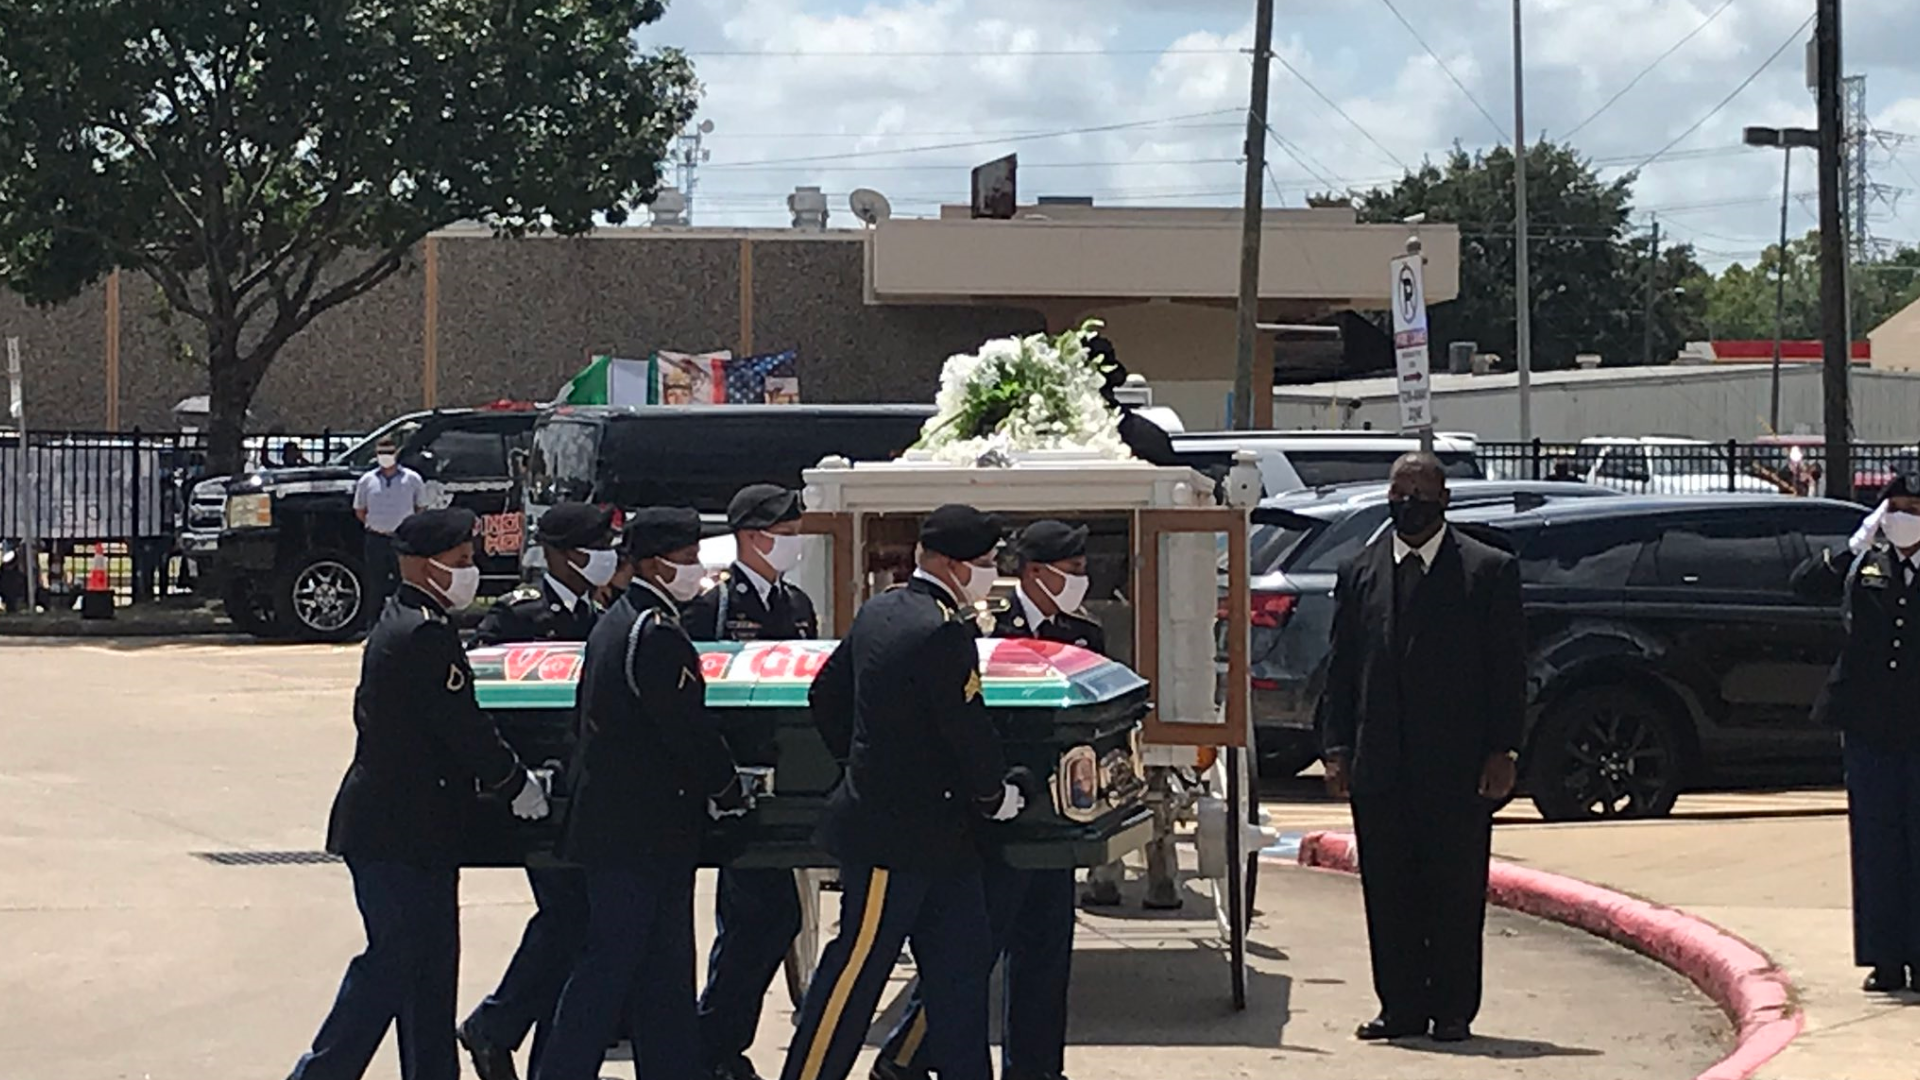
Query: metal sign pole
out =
(17, 408)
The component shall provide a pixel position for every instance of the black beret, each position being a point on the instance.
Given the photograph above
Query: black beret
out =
(762, 506)
(1051, 541)
(656, 530)
(431, 532)
(575, 525)
(960, 532)
(1905, 482)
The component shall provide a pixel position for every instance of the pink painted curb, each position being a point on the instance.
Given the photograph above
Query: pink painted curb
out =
(1739, 978)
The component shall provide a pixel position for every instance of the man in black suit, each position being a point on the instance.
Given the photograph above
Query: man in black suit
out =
(1421, 723)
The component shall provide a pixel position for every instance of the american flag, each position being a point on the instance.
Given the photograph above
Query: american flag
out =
(747, 376)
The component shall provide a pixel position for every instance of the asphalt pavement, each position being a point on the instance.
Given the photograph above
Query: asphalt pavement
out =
(156, 799)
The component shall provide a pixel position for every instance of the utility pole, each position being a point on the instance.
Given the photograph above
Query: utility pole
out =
(1522, 275)
(1253, 215)
(1836, 349)
(1653, 274)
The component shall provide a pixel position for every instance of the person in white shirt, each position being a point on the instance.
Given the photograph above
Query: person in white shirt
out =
(383, 498)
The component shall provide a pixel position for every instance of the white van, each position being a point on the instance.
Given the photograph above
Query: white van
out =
(1294, 460)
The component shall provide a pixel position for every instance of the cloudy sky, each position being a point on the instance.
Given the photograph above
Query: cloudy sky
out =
(1140, 101)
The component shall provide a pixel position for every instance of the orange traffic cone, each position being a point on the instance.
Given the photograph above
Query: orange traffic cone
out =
(97, 601)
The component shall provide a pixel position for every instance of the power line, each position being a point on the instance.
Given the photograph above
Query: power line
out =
(1233, 124)
(1335, 106)
(1296, 154)
(1445, 69)
(1024, 165)
(1648, 70)
(1728, 100)
(1004, 54)
(995, 141)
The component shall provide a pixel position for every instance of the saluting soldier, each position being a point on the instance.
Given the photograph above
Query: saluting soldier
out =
(422, 749)
(577, 540)
(650, 771)
(757, 912)
(1031, 911)
(1873, 697)
(898, 703)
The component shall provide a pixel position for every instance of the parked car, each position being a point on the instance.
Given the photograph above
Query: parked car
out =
(1658, 465)
(1667, 648)
(1299, 460)
(282, 547)
(1295, 551)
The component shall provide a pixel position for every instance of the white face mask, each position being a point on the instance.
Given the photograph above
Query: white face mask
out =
(1071, 594)
(1901, 530)
(464, 586)
(387, 461)
(685, 583)
(785, 553)
(979, 583)
(601, 563)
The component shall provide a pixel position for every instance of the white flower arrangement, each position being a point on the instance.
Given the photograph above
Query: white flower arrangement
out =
(1023, 394)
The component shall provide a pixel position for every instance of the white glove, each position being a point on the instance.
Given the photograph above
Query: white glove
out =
(531, 803)
(1011, 803)
(721, 813)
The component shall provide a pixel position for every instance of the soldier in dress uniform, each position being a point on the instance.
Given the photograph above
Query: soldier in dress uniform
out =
(1873, 697)
(650, 772)
(422, 750)
(757, 912)
(577, 540)
(1031, 911)
(898, 703)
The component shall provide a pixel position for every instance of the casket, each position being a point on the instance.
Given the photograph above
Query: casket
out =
(1069, 716)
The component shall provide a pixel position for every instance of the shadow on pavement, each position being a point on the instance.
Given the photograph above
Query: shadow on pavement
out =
(1493, 1046)
(1182, 998)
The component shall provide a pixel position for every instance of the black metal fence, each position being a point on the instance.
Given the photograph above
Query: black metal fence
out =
(1684, 468)
(119, 495)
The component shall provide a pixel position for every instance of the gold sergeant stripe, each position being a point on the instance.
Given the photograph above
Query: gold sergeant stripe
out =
(843, 986)
(915, 1034)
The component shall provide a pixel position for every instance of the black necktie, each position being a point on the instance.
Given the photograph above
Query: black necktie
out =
(1406, 582)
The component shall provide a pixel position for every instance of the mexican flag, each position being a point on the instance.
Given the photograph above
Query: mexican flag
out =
(608, 381)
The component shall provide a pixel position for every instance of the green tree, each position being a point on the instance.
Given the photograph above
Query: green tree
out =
(265, 161)
(1589, 268)
(1740, 301)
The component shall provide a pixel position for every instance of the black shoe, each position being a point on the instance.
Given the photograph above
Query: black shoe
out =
(490, 1061)
(883, 1069)
(1451, 1031)
(1885, 980)
(1385, 1027)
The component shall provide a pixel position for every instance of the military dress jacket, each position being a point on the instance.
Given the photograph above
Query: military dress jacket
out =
(648, 753)
(733, 611)
(899, 705)
(422, 746)
(1872, 692)
(1066, 628)
(535, 612)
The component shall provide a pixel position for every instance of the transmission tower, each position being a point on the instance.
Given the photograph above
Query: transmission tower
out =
(688, 156)
(1867, 148)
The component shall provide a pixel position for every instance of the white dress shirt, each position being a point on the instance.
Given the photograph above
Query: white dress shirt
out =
(1427, 551)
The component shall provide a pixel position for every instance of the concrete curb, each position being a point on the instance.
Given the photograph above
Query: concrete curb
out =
(1739, 978)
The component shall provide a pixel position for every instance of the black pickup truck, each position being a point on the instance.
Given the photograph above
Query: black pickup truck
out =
(281, 547)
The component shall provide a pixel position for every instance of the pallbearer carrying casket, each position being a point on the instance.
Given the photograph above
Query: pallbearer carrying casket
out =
(899, 704)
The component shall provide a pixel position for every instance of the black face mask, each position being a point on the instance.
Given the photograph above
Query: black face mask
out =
(1413, 517)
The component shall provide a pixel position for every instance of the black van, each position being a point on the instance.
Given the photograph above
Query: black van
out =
(663, 455)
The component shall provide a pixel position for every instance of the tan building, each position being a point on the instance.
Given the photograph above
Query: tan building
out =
(1896, 342)
(872, 312)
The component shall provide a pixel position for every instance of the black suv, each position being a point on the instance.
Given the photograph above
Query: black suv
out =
(1667, 647)
(282, 547)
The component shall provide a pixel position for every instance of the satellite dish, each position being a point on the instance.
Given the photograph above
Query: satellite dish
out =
(706, 127)
(870, 206)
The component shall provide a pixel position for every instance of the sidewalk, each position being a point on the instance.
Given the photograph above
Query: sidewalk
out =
(1780, 883)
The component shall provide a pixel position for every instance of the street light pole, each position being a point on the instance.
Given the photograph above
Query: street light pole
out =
(1522, 275)
(1780, 289)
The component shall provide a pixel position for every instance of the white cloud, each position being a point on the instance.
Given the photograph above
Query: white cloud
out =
(863, 85)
